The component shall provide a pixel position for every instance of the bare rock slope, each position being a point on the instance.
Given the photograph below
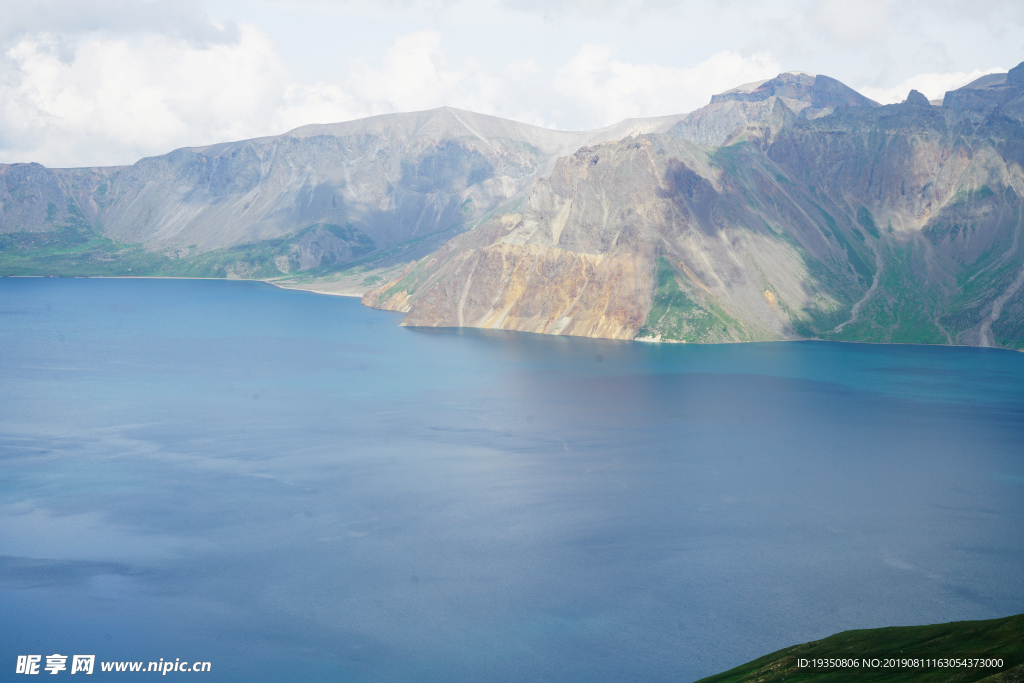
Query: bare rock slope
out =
(899, 223)
(397, 185)
(788, 208)
(320, 198)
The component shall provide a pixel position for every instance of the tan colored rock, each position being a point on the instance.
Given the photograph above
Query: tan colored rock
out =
(531, 288)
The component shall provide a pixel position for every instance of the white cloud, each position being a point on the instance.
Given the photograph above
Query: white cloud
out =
(114, 101)
(591, 90)
(317, 103)
(852, 22)
(106, 101)
(934, 85)
(87, 82)
(615, 90)
(107, 81)
(412, 76)
(179, 19)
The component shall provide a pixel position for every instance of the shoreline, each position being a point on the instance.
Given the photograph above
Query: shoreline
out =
(643, 340)
(313, 291)
(181, 277)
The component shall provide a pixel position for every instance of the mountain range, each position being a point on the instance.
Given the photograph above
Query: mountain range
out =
(790, 208)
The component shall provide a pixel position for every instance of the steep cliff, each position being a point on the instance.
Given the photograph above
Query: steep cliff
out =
(651, 237)
(898, 223)
(805, 95)
(784, 209)
(320, 198)
(389, 186)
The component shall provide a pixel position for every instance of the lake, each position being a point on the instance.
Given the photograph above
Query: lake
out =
(294, 488)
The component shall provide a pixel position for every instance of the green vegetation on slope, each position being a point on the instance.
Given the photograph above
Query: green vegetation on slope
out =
(865, 218)
(676, 316)
(902, 309)
(992, 638)
(96, 256)
(963, 196)
(861, 263)
(77, 248)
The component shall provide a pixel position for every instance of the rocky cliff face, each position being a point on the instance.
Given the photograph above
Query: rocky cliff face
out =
(649, 237)
(978, 100)
(321, 197)
(805, 95)
(400, 184)
(789, 208)
(899, 223)
(942, 190)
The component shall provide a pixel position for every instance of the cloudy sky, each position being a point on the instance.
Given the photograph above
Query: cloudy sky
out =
(100, 82)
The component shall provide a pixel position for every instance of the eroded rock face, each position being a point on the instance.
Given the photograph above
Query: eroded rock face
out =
(788, 208)
(531, 288)
(817, 92)
(405, 179)
(804, 95)
(899, 224)
(588, 255)
(400, 185)
(979, 99)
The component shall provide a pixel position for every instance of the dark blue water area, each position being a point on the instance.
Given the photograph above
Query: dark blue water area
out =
(295, 488)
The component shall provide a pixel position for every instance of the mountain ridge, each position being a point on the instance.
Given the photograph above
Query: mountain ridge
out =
(788, 208)
(896, 223)
(189, 190)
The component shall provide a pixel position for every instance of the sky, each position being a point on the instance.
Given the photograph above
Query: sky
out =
(107, 82)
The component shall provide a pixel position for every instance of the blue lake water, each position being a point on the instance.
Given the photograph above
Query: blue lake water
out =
(295, 488)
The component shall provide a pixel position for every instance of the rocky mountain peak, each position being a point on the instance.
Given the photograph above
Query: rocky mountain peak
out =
(917, 99)
(1016, 75)
(787, 208)
(790, 84)
(981, 97)
(818, 91)
(805, 95)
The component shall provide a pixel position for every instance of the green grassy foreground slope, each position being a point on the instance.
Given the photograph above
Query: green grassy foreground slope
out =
(994, 638)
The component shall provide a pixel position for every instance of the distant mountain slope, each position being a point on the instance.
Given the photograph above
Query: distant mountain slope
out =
(979, 99)
(897, 224)
(320, 197)
(803, 94)
(806, 95)
(355, 188)
(785, 209)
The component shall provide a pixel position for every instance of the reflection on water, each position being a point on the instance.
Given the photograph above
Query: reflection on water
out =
(295, 488)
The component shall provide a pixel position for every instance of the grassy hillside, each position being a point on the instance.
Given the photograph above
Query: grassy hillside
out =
(76, 247)
(994, 638)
